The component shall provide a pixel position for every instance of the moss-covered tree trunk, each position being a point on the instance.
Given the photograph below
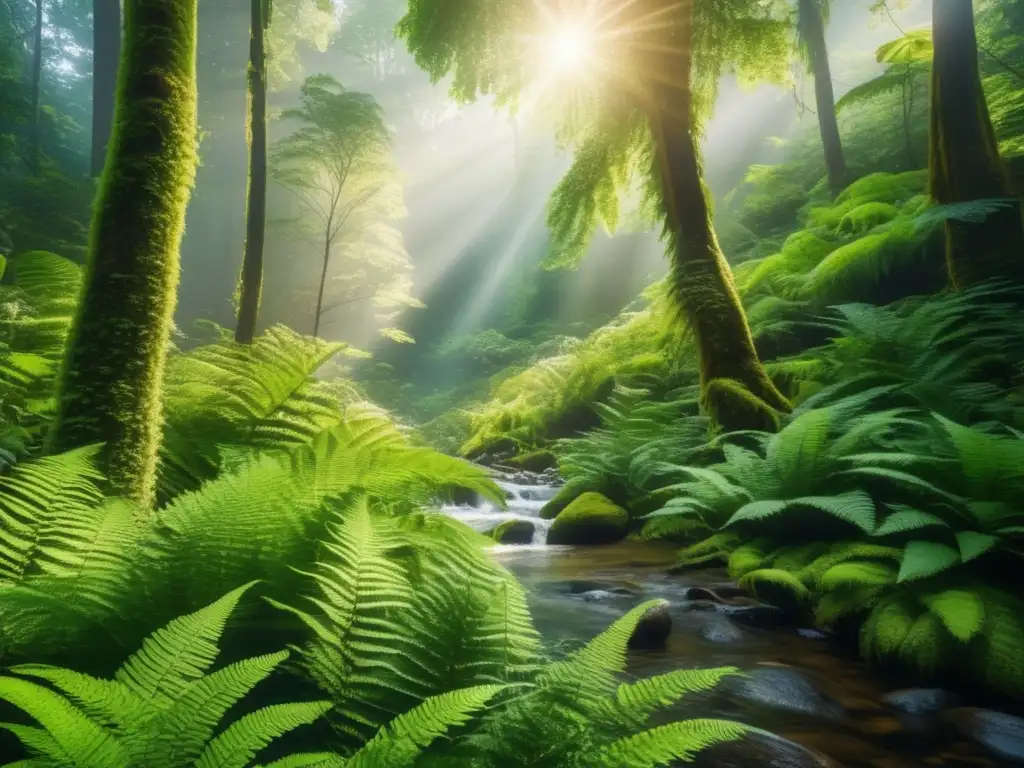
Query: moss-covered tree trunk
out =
(737, 391)
(812, 31)
(964, 160)
(111, 382)
(106, 52)
(256, 206)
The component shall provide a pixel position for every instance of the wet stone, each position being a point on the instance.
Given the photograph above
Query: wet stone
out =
(759, 616)
(1001, 734)
(718, 629)
(785, 690)
(601, 595)
(653, 630)
(759, 749)
(813, 634)
(920, 701)
(580, 587)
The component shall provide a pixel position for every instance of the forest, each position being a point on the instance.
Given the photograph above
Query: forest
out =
(498, 383)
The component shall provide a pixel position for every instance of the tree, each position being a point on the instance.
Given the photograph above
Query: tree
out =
(811, 18)
(338, 166)
(964, 164)
(106, 53)
(111, 383)
(908, 61)
(256, 204)
(643, 93)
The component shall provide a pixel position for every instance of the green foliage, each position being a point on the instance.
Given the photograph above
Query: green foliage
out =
(162, 707)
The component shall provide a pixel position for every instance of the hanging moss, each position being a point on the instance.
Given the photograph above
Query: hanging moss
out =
(110, 387)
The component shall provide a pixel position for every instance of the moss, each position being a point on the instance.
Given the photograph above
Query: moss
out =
(866, 217)
(513, 532)
(729, 402)
(111, 384)
(567, 495)
(534, 461)
(590, 519)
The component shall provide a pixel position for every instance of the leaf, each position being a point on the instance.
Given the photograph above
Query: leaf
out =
(962, 612)
(922, 559)
(974, 544)
(855, 507)
(905, 519)
(397, 335)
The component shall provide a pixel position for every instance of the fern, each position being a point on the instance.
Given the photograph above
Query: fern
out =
(162, 707)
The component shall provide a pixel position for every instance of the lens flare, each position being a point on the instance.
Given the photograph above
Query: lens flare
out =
(569, 47)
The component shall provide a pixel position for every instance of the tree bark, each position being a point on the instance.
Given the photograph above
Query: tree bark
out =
(737, 391)
(106, 53)
(323, 285)
(964, 161)
(812, 30)
(110, 388)
(256, 205)
(36, 151)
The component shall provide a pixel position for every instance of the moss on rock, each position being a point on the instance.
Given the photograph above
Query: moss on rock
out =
(590, 519)
(513, 532)
(566, 496)
(534, 461)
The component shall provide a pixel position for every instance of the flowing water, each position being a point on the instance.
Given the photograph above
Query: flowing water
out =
(799, 685)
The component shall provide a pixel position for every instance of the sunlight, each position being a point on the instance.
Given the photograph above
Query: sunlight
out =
(569, 47)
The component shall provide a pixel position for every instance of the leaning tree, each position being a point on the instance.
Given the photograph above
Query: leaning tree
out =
(643, 81)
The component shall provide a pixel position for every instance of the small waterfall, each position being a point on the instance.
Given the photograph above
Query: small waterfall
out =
(524, 503)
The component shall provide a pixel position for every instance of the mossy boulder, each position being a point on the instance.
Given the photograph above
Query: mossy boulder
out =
(590, 519)
(513, 532)
(568, 493)
(534, 461)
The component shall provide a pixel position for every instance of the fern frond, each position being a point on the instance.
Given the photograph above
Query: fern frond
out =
(922, 559)
(775, 577)
(961, 611)
(237, 745)
(639, 700)
(855, 507)
(676, 741)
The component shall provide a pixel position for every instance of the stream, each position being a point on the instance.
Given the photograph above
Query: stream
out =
(829, 709)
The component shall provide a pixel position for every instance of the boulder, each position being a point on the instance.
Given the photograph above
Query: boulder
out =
(534, 461)
(514, 532)
(566, 495)
(718, 629)
(590, 519)
(760, 749)
(785, 690)
(1001, 734)
(920, 701)
(652, 632)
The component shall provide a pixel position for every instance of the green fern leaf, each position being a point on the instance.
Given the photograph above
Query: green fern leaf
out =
(676, 741)
(237, 745)
(858, 574)
(855, 507)
(922, 559)
(905, 519)
(974, 544)
(775, 577)
(962, 612)
(89, 745)
(402, 741)
(640, 699)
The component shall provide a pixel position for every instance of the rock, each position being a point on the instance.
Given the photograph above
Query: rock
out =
(786, 690)
(760, 749)
(534, 461)
(699, 605)
(566, 495)
(720, 630)
(757, 615)
(716, 595)
(809, 633)
(920, 701)
(653, 630)
(514, 532)
(462, 497)
(590, 519)
(601, 595)
(1000, 734)
(583, 587)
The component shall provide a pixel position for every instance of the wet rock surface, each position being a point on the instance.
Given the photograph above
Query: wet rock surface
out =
(920, 701)
(514, 532)
(1000, 734)
(784, 689)
(719, 629)
(760, 749)
(653, 630)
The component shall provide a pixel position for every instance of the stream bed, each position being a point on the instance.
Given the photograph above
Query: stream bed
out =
(829, 708)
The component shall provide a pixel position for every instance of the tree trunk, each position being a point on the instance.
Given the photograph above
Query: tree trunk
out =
(36, 151)
(964, 162)
(323, 286)
(110, 387)
(256, 205)
(737, 391)
(106, 53)
(812, 30)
